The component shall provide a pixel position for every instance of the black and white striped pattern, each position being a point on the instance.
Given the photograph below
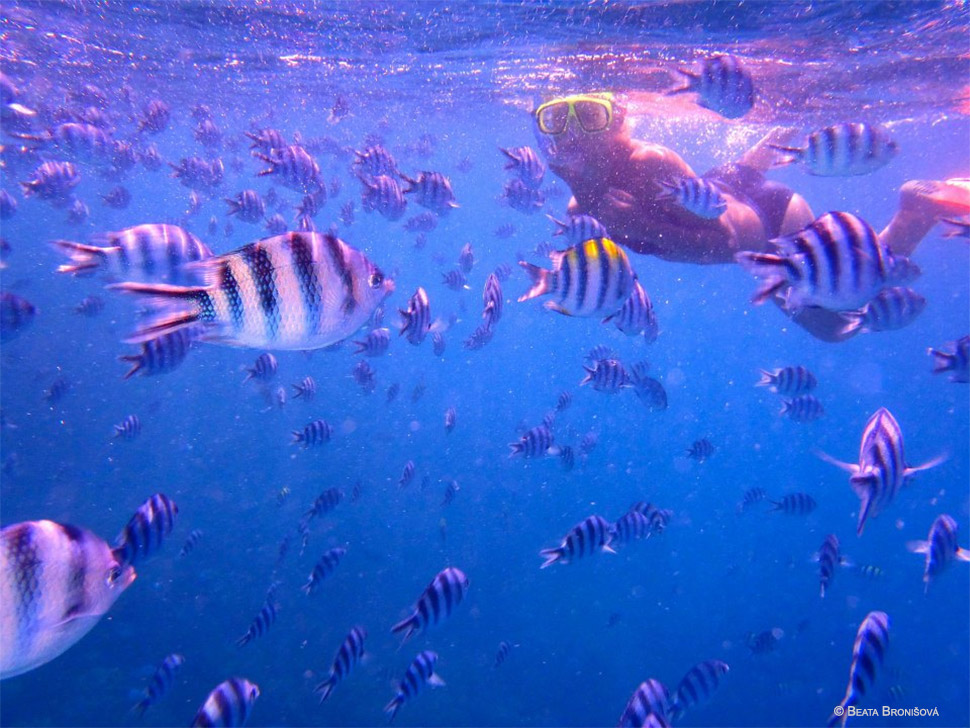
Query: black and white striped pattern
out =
(750, 497)
(579, 228)
(439, 599)
(892, 309)
(432, 190)
(526, 164)
(636, 316)
(451, 419)
(261, 622)
(493, 300)
(416, 320)
(606, 375)
(844, 150)
(697, 686)
(323, 569)
(828, 559)
(589, 536)
(537, 441)
(248, 206)
(697, 196)
(160, 683)
(317, 432)
(700, 450)
(799, 504)
(52, 182)
(868, 653)
(438, 344)
(407, 474)
(375, 343)
(659, 518)
(129, 429)
(454, 279)
(804, 408)
(350, 652)
(383, 194)
(147, 528)
(419, 672)
(306, 389)
(725, 86)
(324, 503)
(466, 258)
(264, 369)
(631, 526)
(565, 399)
(229, 704)
(954, 358)
(941, 547)
(567, 458)
(375, 161)
(788, 380)
(191, 542)
(647, 706)
(164, 353)
(292, 167)
(836, 262)
(504, 648)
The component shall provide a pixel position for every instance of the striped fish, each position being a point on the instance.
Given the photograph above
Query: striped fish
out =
(432, 190)
(579, 228)
(700, 450)
(659, 518)
(164, 353)
(153, 253)
(305, 389)
(632, 526)
(593, 278)
(525, 162)
(56, 581)
(725, 86)
(565, 399)
(383, 194)
(466, 258)
(607, 375)
(868, 652)
(375, 343)
(438, 343)
(455, 280)
(348, 655)
(248, 206)
(636, 316)
(941, 547)
(695, 195)
(493, 300)
(264, 369)
(261, 622)
(296, 291)
(882, 470)
(407, 474)
(324, 503)
(799, 504)
(451, 419)
(16, 314)
(842, 150)
(804, 408)
(647, 706)
(954, 358)
(376, 160)
(416, 320)
(419, 672)
(160, 683)
(147, 528)
(323, 569)
(129, 429)
(229, 704)
(502, 654)
(836, 262)
(828, 558)
(437, 601)
(697, 686)
(788, 380)
(892, 309)
(587, 537)
(537, 441)
(292, 167)
(750, 497)
(191, 542)
(566, 458)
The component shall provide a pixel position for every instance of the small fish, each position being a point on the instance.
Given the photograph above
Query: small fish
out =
(365, 376)
(700, 450)
(207, 133)
(588, 443)
(803, 408)
(842, 150)
(868, 652)
(191, 542)
(800, 504)
(592, 534)
(276, 224)
(422, 223)
(954, 358)
(281, 495)
(316, 433)
(828, 558)
(324, 503)
(229, 704)
(432, 190)
(419, 672)
(891, 309)
(407, 475)
(505, 230)
(636, 316)
(882, 470)
(348, 655)
(566, 458)
(53, 182)
(160, 684)
(438, 344)
(695, 195)
(392, 393)
(279, 397)
(416, 320)
(537, 441)
(697, 686)
(658, 518)
(647, 707)
(384, 195)
(564, 401)
(78, 213)
(761, 643)
(724, 85)
(788, 380)
(247, 206)
(519, 196)
(941, 547)
(502, 654)
(305, 390)
(870, 571)
(58, 389)
(146, 530)
(451, 490)
(293, 167)
(16, 315)
(155, 117)
(750, 497)
(607, 375)
(591, 279)
(164, 353)
(479, 337)
(356, 492)
(445, 592)
(375, 343)
(56, 581)
(466, 258)
(454, 279)
(117, 198)
(451, 419)
(418, 391)
(266, 140)
(632, 526)
(264, 369)
(323, 569)
(837, 262)
(375, 161)
(260, 624)
(526, 164)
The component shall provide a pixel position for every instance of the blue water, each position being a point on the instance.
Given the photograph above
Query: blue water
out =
(584, 635)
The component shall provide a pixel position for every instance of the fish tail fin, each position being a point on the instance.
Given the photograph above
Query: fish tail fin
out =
(942, 361)
(137, 362)
(392, 707)
(407, 625)
(541, 281)
(854, 320)
(244, 640)
(325, 688)
(163, 294)
(516, 448)
(560, 225)
(139, 708)
(789, 155)
(767, 379)
(297, 437)
(786, 405)
(84, 258)
(665, 190)
(769, 267)
(234, 205)
(551, 556)
(692, 79)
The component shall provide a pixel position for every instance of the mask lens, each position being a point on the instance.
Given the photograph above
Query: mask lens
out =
(592, 115)
(552, 118)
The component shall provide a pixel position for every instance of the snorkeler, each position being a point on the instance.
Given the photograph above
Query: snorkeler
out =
(620, 181)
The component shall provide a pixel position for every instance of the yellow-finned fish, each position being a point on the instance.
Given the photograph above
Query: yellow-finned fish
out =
(297, 291)
(593, 278)
(56, 581)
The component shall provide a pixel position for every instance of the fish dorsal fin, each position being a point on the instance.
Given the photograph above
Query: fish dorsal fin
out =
(918, 547)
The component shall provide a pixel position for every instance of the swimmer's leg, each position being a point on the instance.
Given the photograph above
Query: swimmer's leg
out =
(921, 205)
(761, 156)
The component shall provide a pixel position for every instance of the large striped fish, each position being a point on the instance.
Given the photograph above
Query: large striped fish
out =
(350, 652)
(725, 86)
(842, 150)
(593, 278)
(868, 652)
(647, 706)
(882, 470)
(420, 672)
(437, 601)
(56, 581)
(837, 262)
(941, 547)
(297, 291)
(697, 686)
(229, 704)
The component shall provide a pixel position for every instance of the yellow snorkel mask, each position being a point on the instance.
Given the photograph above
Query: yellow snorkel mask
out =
(592, 112)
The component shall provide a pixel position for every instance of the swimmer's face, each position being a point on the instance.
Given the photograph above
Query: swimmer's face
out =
(573, 130)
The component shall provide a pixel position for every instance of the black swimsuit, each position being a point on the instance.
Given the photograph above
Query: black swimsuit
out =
(768, 199)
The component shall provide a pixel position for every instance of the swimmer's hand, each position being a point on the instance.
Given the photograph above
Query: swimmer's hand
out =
(619, 200)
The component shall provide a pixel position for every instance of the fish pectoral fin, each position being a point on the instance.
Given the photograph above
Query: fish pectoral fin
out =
(436, 681)
(913, 469)
(848, 467)
(918, 547)
(963, 554)
(553, 306)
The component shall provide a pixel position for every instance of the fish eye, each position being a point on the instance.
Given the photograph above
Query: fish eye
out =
(114, 573)
(376, 279)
